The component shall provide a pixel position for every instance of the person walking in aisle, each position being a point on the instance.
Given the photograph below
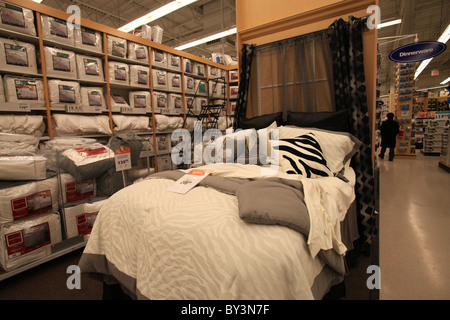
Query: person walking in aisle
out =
(389, 130)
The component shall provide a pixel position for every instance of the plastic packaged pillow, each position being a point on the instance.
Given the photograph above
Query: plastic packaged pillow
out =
(57, 30)
(160, 79)
(159, 58)
(173, 62)
(117, 46)
(60, 63)
(137, 52)
(189, 85)
(93, 97)
(73, 191)
(141, 100)
(24, 90)
(201, 88)
(17, 56)
(29, 240)
(118, 102)
(17, 19)
(67, 92)
(18, 142)
(23, 200)
(27, 124)
(175, 103)
(174, 81)
(79, 220)
(75, 125)
(90, 68)
(84, 163)
(119, 73)
(131, 123)
(22, 166)
(160, 102)
(140, 76)
(157, 34)
(88, 39)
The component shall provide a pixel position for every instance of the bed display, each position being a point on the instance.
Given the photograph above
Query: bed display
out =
(28, 240)
(246, 231)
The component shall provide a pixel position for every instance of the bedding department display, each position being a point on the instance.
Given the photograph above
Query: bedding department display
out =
(239, 234)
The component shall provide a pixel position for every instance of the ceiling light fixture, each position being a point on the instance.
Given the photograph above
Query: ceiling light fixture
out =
(208, 38)
(443, 38)
(389, 23)
(156, 14)
(445, 81)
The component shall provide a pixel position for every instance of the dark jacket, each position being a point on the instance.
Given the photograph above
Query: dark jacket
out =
(389, 130)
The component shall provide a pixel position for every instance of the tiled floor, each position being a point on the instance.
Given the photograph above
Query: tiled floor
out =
(414, 229)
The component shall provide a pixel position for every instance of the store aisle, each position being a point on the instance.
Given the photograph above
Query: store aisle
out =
(414, 229)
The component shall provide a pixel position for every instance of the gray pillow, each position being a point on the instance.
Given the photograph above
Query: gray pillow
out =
(274, 201)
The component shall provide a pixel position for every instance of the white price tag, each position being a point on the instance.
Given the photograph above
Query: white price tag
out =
(24, 107)
(123, 159)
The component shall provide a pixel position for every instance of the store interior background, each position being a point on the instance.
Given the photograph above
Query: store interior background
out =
(422, 20)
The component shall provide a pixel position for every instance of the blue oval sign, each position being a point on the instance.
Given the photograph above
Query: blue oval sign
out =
(418, 51)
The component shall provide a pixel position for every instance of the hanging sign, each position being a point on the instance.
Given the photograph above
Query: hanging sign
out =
(418, 51)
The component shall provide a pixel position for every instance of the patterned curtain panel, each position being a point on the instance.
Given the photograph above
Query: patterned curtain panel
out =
(244, 81)
(350, 92)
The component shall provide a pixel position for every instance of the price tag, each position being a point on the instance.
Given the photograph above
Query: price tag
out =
(73, 108)
(24, 107)
(123, 159)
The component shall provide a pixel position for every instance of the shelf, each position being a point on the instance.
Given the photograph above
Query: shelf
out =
(5, 33)
(64, 46)
(22, 106)
(58, 250)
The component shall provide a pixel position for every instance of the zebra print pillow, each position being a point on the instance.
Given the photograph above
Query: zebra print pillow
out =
(303, 155)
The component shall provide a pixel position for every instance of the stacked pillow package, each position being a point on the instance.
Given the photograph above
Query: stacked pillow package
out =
(29, 222)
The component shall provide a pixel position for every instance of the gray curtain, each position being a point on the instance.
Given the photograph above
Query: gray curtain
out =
(295, 74)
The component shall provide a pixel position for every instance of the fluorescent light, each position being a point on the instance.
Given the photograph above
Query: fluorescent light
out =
(389, 23)
(38, 1)
(443, 38)
(208, 38)
(156, 14)
(445, 81)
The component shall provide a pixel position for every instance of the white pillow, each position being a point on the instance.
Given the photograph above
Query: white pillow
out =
(116, 46)
(337, 147)
(72, 124)
(131, 123)
(90, 68)
(57, 30)
(137, 52)
(17, 19)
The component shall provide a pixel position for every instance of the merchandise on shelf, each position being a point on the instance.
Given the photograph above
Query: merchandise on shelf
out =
(118, 102)
(22, 124)
(22, 166)
(64, 92)
(90, 68)
(175, 103)
(17, 19)
(119, 73)
(159, 58)
(20, 89)
(160, 102)
(88, 39)
(116, 46)
(160, 79)
(28, 198)
(79, 219)
(29, 240)
(79, 125)
(56, 30)
(60, 63)
(137, 52)
(174, 80)
(17, 56)
(93, 97)
(131, 123)
(141, 100)
(140, 76)
(173, 62)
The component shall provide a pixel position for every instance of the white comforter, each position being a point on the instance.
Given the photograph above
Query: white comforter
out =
(195, 246)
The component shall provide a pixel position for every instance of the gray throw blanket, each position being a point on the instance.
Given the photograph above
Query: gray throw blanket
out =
(271, 201)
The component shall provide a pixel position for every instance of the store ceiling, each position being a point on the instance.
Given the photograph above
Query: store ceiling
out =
(426, 18)
(193, 22)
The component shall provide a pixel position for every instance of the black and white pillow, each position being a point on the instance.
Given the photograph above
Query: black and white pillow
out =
(302, 155)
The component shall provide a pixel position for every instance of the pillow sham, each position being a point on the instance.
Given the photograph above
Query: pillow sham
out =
(261, 122)
(337, 147)
(334, 121)
(302, 155)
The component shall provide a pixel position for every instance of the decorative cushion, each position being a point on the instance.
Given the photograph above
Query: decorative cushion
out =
(261, 122)
(334, 121)
(302, 155)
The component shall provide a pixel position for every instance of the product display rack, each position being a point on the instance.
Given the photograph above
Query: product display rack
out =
(404, 109)
(48, 109)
